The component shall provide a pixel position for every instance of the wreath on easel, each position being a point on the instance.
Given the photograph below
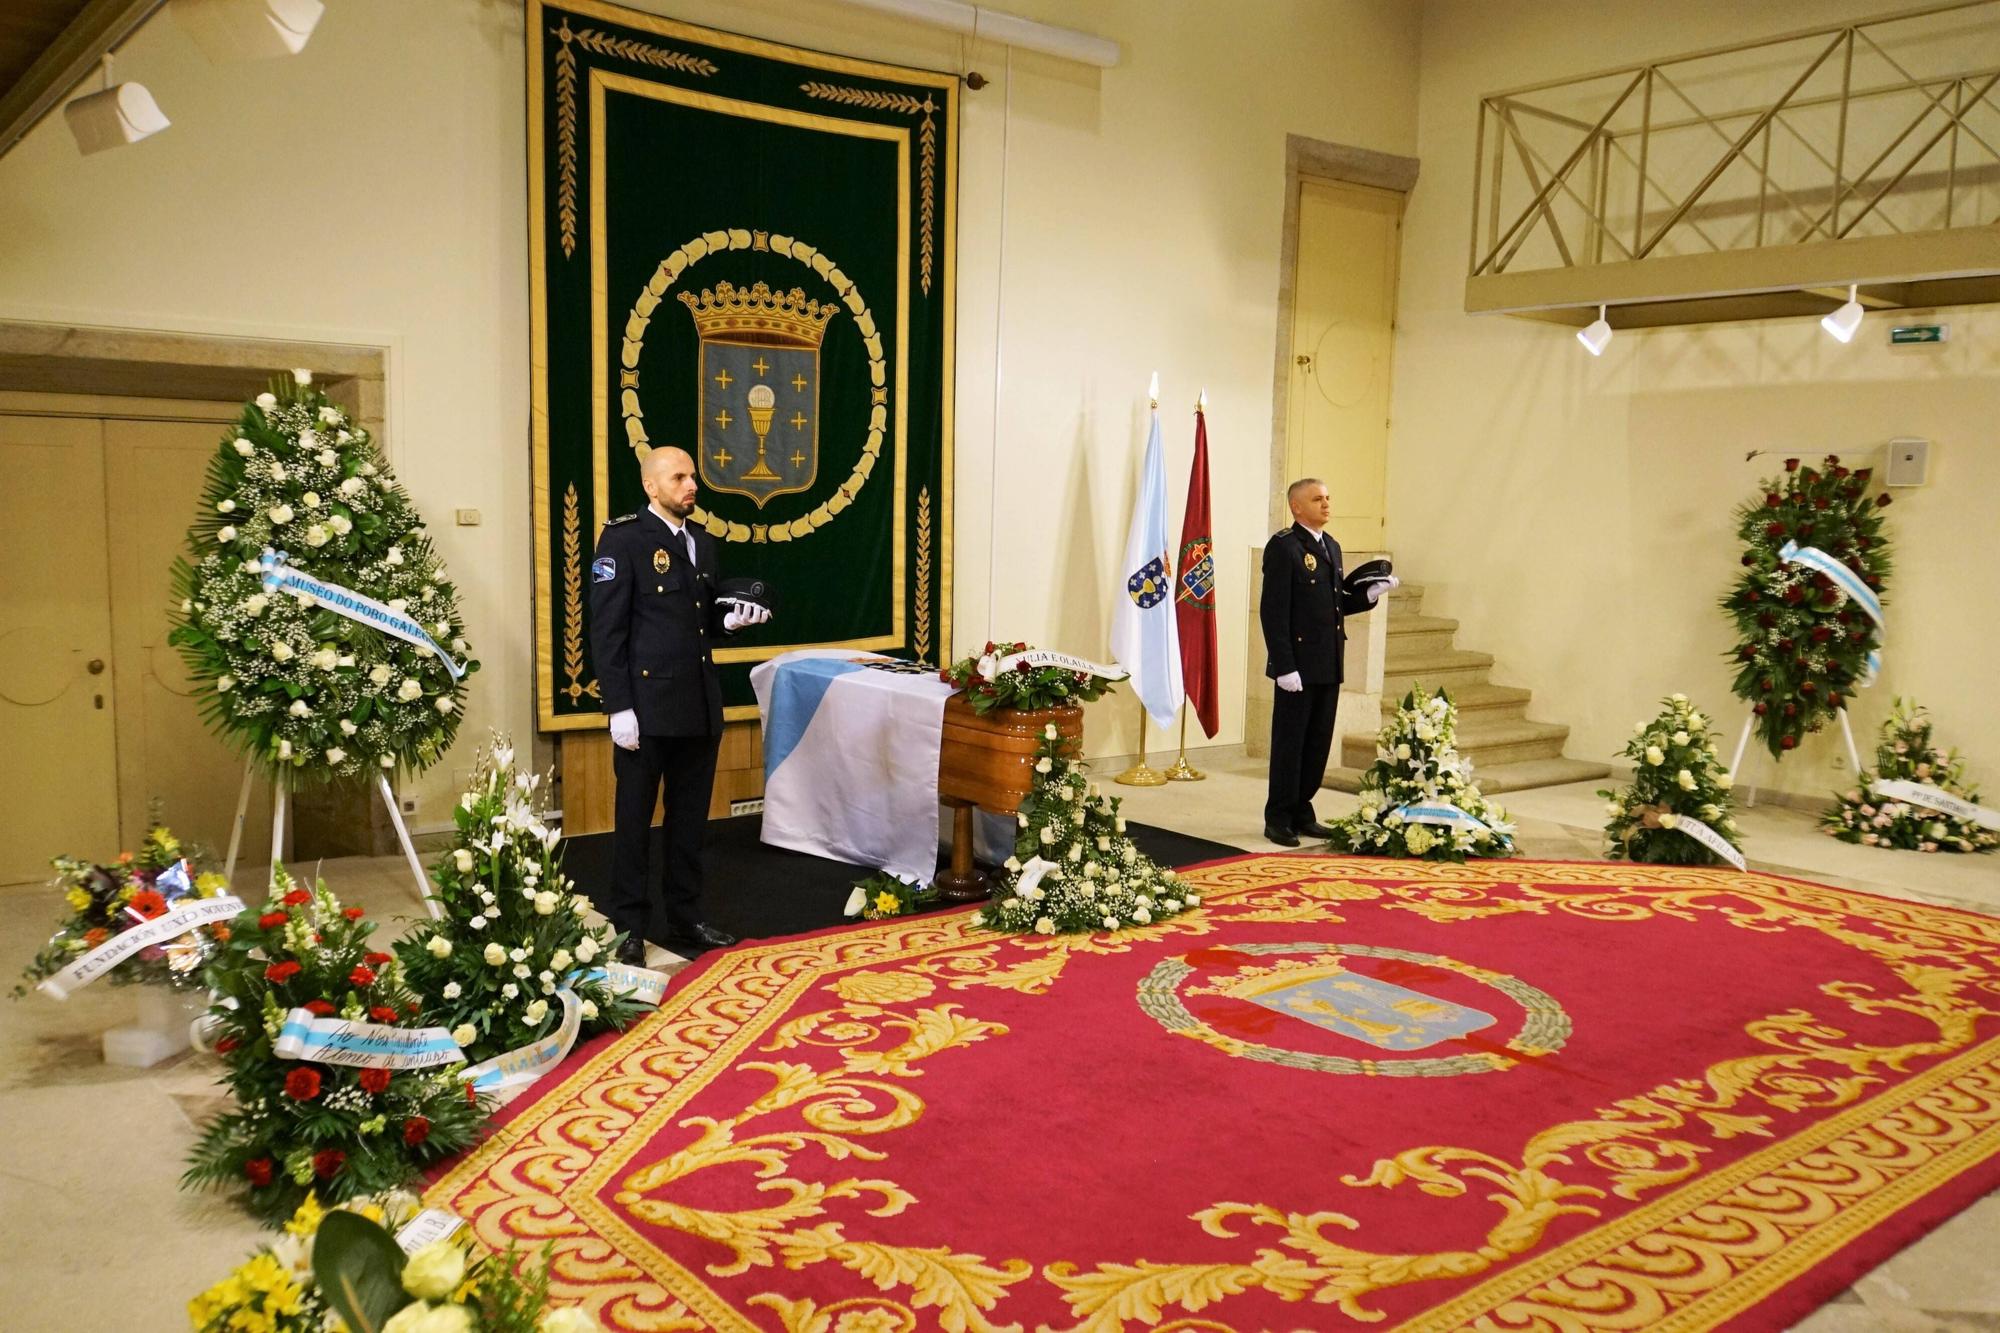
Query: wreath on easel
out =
(1808, 602)
(301, 516)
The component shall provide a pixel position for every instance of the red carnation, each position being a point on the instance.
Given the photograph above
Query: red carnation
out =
(1771, 500)
(1774, 529)
(382, 1013)
(1746, 652)
(1821, 634)
(1748, 559)
(1883, 499)
(224, 1045)
(362, 976)
(1807, 688)
(318, 1008)
(414, 1008)
(259, 1171)
(270, 920)
(471, 1093)
(296, 898)
(1760, 709)
(1791, 465)
(1788, 742)
(280, 973)
(1833, 458)
(327, 1163)
(1794, 593)
(302, 1084)
(1764, 685)
(1864, 474)
(374, 1080)
(376, 959)
(1840, 472)
(1784, 645)
(1834, 699)
(352, 913)
(1750, 596)
(416, 1129)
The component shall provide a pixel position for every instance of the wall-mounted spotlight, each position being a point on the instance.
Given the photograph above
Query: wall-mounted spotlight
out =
(117, 114)
(1595, 336)
(248, 29)
(1843, 322)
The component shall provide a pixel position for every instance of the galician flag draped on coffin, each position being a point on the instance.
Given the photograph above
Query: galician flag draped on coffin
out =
(1143, 634)
(1194, 590)
(851, 745)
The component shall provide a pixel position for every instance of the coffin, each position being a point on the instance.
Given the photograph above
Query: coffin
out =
(990, 761)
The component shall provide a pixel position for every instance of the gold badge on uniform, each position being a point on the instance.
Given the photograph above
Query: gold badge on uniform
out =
(662, 562)
(1311, 564)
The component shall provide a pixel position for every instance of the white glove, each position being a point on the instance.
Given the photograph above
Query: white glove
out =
(745, 614)
(625, 730)
(1377, 591)
(1290, 682)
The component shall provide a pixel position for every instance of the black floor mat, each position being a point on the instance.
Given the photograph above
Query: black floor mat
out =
(758, 891)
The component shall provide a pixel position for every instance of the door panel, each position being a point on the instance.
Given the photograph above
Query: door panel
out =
(1342, 330)
(58, 741)
(167, 756)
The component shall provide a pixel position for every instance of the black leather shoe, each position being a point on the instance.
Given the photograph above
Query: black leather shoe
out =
(631, 951)
(1284, 837)
(1312, 828)
(698, 938)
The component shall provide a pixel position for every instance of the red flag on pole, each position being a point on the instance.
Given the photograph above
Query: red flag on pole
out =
(1194, 590)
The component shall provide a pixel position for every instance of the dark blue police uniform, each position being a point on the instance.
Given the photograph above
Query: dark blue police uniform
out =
(1302, 613)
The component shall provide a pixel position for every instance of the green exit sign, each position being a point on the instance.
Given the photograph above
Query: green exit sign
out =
(1918, 333)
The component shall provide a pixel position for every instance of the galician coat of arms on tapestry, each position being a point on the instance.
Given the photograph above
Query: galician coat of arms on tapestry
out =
(759, 388)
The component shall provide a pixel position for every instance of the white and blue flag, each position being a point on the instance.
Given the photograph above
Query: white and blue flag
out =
(851, 743)
(1144, 638)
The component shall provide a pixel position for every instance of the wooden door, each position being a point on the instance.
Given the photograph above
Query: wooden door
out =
(58, 739)
(1344, 319)
(168, 759)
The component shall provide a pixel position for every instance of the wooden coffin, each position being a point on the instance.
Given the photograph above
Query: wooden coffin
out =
(990, 761)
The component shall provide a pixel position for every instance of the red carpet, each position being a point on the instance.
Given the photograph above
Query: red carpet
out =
(1344, 1092)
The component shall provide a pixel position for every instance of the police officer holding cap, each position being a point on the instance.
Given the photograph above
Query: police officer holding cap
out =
(1306, 599)
(654, 613)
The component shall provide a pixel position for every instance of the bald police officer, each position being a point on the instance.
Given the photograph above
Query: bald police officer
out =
(1302, 612)
(653, 616)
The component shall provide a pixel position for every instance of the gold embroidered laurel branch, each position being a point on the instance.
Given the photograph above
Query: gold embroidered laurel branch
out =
(874, 100)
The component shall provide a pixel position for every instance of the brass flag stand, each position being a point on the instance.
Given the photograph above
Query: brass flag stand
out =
(1182, 771)
(1140, 775)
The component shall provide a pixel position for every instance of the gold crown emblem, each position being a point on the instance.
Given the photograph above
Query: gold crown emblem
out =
(787, 318)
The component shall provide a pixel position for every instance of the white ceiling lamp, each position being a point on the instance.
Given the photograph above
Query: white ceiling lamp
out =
(1843, 322)
(1595, 336)
(117, 114)
(995, 25)
(228, 30)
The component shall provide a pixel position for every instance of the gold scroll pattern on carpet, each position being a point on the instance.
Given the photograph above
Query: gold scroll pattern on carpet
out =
(1697, 1249)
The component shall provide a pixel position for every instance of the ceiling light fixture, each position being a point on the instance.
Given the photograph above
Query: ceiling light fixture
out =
(1843, 322)
(115, 115)
(1596, 336)
(248, 29)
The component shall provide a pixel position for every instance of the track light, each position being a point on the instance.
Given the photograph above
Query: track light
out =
(248, 29)
(1596, 336)
(1843, 322)
(117, 114)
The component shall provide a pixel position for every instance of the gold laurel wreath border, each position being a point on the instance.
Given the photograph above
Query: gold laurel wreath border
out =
(737, 1001)
(623, 48)
(572, 541)
(922, 636)
(685, 257)
(876, 100)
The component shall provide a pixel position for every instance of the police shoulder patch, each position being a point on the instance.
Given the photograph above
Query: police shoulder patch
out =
(603, 569)
(622, 518)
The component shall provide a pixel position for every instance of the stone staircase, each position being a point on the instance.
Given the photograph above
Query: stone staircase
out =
(1508, 751)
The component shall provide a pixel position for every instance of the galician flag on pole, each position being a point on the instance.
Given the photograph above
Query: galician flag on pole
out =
(1194, 587)
(1143, 636)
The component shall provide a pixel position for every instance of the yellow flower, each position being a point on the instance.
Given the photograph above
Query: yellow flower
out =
(886, 903)
(77, 899)
(165, 841)
(210, 883)
(306, 1220)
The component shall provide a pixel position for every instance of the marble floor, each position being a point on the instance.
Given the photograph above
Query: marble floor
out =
(96, 1234)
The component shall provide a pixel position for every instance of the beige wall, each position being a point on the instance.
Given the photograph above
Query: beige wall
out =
(372, 191)
(1574, 514)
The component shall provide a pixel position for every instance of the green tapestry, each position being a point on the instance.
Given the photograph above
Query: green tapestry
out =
(744, 250)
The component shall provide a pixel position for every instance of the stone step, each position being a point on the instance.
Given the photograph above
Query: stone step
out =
(1418, 635)
(1486, 741)
(1489, 700)
(1450, 669)
(1499, 778)
(1406, 596)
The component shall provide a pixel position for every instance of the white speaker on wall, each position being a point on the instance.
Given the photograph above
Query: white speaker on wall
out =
(1909, 462)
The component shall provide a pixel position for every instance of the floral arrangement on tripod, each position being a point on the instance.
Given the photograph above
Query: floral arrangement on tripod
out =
(105, 901)
(513, 931)
(303, 689)
(1002, 676)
